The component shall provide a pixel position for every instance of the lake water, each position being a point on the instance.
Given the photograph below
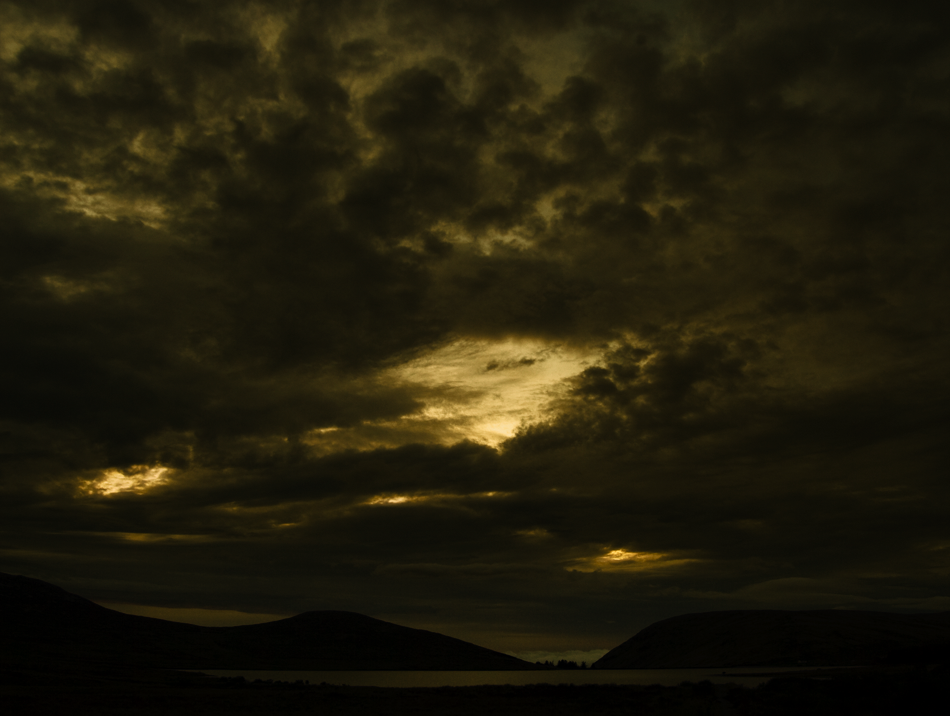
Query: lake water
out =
(665, 677)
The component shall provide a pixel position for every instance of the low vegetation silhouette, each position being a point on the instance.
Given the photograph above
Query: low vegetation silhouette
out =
(561, 664)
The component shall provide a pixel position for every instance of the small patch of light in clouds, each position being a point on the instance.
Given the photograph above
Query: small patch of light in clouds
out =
(151, 537)
(393, 500)
(137, 479)
(626, 561)
(622, 555)
(441, 497)
(537, 533)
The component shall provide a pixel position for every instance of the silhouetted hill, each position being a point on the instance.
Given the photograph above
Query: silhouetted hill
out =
(354, 641)
(43, 624)
(784, 638)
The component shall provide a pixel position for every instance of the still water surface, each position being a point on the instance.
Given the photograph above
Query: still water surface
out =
(665, 677)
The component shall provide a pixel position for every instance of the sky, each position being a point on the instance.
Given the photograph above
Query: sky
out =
(527, 322)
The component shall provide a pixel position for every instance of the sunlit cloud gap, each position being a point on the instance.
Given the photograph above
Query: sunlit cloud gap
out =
(627, 561)
(622, 555)
(478, 390)
(151, 537)
(440, 497)
(137, 479)
(484, 390)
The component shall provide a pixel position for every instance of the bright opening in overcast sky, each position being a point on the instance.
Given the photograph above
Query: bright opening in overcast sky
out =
(527, 322)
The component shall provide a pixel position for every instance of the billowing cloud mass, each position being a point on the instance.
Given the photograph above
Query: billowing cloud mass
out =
(528, 322)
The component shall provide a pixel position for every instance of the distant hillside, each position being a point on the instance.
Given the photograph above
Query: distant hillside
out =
(784, 638)
(43, 624)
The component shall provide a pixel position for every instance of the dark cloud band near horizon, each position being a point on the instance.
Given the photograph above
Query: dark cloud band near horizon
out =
(531, 323)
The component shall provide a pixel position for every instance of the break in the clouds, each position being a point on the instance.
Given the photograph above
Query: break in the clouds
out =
(528, 322)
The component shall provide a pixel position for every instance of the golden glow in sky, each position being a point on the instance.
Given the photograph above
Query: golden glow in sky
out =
(440, 497)
(137, 479)
(484, 390)
(478, 390)
(627, 561)
(622, 555)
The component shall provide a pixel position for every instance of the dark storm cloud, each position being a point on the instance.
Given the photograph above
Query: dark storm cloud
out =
(225, 226)
(508, 365)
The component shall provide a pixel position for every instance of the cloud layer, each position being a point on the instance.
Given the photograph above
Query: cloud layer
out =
(527, 322)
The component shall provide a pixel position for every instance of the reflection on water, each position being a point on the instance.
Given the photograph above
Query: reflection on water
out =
(665, 677)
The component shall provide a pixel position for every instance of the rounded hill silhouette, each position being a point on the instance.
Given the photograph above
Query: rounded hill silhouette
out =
(784, 638)
(44, 624)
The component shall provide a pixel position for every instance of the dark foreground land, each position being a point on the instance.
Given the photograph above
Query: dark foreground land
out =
(916, 691)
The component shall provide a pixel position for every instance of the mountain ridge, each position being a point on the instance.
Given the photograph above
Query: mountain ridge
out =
(783, 638)
(43, 623)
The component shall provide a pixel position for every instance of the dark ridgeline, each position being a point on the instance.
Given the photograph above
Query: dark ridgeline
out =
(44, 625)
(785, 638)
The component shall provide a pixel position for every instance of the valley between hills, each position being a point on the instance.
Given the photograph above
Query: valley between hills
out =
(62, 653)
